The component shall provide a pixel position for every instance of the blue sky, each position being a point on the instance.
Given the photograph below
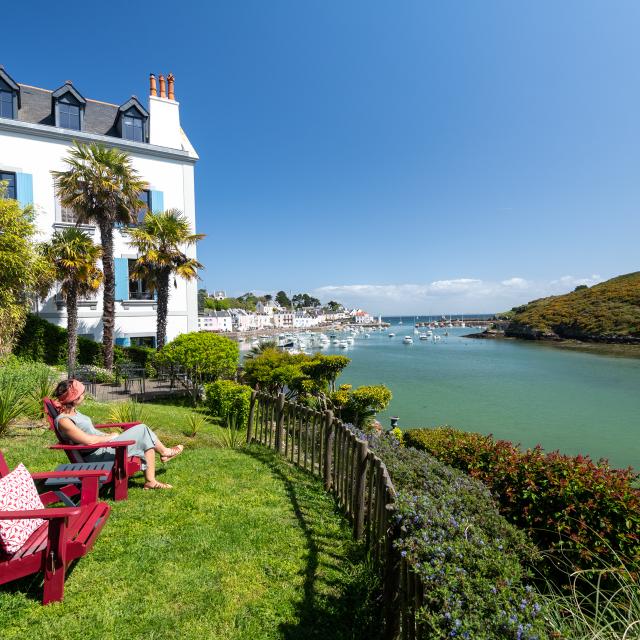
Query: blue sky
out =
(410, 157)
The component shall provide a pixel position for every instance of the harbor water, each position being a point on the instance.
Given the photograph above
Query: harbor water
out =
(529, 393)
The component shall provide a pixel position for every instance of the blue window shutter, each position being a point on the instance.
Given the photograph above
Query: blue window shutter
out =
(157, 201)
(123, 342)
(24, 188)
(122, 278)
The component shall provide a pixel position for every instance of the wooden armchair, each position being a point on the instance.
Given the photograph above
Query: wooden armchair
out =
(67, 534)
(119, 470)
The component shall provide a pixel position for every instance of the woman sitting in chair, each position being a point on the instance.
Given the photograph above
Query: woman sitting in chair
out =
(78, 429)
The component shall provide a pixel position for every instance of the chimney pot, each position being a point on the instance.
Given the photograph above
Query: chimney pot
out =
(163, 91)
(152, 85)
(171, 79)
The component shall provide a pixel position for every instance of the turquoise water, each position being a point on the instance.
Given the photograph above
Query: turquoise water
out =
(525, 392)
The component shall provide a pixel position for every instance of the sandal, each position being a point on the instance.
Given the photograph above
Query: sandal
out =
(156, 485)
(175, 451)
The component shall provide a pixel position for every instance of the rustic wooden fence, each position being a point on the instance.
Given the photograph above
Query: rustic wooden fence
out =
(323, 445)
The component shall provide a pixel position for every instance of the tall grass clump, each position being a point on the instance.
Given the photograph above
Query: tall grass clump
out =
(23, 385)
(600, 606)
(129, 411)
(232, 436)
(195, 424)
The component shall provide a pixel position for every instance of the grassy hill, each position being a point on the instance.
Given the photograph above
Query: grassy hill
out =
(606, 312)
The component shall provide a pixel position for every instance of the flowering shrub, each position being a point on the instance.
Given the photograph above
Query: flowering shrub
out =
(472, 562)
(94, 373)
(584, 510)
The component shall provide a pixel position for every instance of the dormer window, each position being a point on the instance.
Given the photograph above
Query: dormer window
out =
(69, 107)
(9, 96)
(68, 114)
(6, 104)
(133, 127)
(133, 121)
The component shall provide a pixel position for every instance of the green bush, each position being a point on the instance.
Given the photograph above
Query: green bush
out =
(586, 512)
(475, 566)
(204, 357)
(23, 385)
(90, 352)
(229, 401)
(41, 341)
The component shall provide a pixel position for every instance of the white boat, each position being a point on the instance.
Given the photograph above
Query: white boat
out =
(343, 344)
(392, 335)
(424, 336)
(407, 340)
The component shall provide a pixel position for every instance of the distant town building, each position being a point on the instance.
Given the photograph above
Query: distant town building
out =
(218, 295)
(218, 321)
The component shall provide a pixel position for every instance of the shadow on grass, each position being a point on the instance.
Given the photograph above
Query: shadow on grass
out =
(342, 606)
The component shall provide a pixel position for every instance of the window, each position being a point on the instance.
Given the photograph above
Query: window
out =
(145, 196)
(132, 128)
(10, 179)
(6, 104)
(68, 114)
(67, 215)
(138, 289)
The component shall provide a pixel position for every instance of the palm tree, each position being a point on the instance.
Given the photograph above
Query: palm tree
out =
(73, 258)
(158, 240)
(258, 349)
(101, 187)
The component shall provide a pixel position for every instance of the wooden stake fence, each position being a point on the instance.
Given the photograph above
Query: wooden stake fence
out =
(323, 445)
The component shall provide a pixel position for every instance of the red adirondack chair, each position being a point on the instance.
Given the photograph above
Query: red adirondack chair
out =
(67, 534)
(119, 470)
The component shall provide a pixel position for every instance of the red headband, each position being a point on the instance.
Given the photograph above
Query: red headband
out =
(73, 392)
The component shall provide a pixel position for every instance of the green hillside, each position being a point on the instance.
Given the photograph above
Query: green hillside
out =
(609, 311)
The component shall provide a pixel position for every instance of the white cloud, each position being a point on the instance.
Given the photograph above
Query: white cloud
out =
(460, 295)
(516, 283)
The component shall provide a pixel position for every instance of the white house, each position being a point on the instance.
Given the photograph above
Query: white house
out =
(283, 319)
(219, 321)
(361, 317)
(37, 128)
(268, 308)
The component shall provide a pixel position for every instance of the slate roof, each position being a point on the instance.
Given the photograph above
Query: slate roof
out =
(37, 107)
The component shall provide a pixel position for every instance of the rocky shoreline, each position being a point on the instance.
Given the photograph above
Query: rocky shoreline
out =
(620, 346)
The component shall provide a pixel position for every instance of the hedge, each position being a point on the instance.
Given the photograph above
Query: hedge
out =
(229, 400)
(474, 564)
(42, 341)
(586, 512)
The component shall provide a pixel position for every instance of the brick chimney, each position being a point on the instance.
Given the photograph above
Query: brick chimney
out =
(152, 85)
(163, 90)
(171, 82)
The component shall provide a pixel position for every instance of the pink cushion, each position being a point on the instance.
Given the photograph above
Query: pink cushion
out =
(18, 493)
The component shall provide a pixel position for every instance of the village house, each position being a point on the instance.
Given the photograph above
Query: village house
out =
(37, 129)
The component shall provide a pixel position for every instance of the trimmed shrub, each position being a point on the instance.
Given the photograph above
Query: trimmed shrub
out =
(474, 564)
(229, 401)
(41, 341)
(585, 511)
(90, 352)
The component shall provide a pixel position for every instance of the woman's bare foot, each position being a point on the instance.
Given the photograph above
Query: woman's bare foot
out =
(157, 485)
(173, 452)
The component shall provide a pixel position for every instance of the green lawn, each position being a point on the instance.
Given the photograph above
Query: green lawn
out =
(244, 546)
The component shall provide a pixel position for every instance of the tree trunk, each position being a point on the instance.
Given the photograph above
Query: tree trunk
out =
(72, 328)
(109, 295)
(163, 306)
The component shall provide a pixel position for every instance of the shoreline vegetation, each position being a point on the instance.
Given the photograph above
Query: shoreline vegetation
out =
(603, 319)
(611, 349)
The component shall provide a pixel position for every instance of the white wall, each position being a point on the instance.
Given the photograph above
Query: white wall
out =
(26, 148)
